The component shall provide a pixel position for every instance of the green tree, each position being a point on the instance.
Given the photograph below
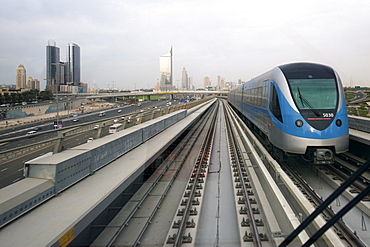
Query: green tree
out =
(46, 95)
(14, 97)
(7, 98)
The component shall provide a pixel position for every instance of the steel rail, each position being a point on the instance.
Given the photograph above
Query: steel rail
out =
(201, 157)
(322, 206)
(234, 146)
(195, 131)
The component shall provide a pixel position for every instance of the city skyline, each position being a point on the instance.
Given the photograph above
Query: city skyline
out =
(63, 76)
(236, 40)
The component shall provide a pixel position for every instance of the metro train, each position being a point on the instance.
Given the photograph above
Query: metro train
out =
(298, 109)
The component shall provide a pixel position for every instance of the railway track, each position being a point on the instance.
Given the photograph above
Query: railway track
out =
(296, 201)
(348, 164)
(184, 227)
(124, 229)
(340, 228)
(244, 195)
(263, 215)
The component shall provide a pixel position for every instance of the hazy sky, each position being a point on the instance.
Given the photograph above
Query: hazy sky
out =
(121, 40)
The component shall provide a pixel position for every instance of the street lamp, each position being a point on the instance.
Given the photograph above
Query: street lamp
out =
(53, 81)
(135, 96)
(57, 89)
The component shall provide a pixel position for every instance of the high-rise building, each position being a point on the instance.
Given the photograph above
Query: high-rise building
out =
(184, 80)
(191, 85)
(33, 84)
(54, 71)
(207, 82)
(59, 73)
(220, 83)
(165, 72)
(73, 65)
(20, 79)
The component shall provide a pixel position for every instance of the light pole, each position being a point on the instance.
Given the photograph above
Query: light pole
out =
(57, 116)
(57, 89)
(135, 96)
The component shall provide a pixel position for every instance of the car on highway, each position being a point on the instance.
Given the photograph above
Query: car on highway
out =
(90, 139)
(96, 126)
(119, 111)
(76, 120)
(31, 132)
(115, 120)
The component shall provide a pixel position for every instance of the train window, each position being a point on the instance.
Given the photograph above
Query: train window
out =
(259, 96)
(264, 96)
(274, 103)
(314, 93)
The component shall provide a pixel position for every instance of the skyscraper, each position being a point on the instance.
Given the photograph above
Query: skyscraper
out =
(220, 83)
(73, 65)
(207, 82)
(165, 72)
(184, 80)
(20, 79)
(53, 67)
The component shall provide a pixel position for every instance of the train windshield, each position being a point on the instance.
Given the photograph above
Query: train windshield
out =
(314, 94)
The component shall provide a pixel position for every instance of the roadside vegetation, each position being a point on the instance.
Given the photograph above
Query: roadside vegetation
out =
(28, 96)
(358, 109)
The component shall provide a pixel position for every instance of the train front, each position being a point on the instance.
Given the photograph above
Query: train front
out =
(317, 117)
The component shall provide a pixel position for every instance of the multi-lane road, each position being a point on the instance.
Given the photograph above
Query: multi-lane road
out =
(359, 96)
(12, 168)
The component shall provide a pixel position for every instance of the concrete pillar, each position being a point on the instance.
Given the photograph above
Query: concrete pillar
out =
(59, 143)
(98, 132)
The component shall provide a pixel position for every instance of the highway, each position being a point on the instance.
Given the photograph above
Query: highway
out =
(11, 170)
(359, 96)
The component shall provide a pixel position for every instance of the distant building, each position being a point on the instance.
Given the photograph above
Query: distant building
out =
(54, 70)
(191, 85)
(20, 79)
(82, 87)
(68, 89)
(73, 69)
(207, 82)
(220, 83)
(63, 74)
(165, 72)
(33, 84)
(184, 80)
(6, 87)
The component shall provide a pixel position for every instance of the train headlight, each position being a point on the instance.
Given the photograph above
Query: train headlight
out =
(299, 123)
(323, 155)
(338, 122)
